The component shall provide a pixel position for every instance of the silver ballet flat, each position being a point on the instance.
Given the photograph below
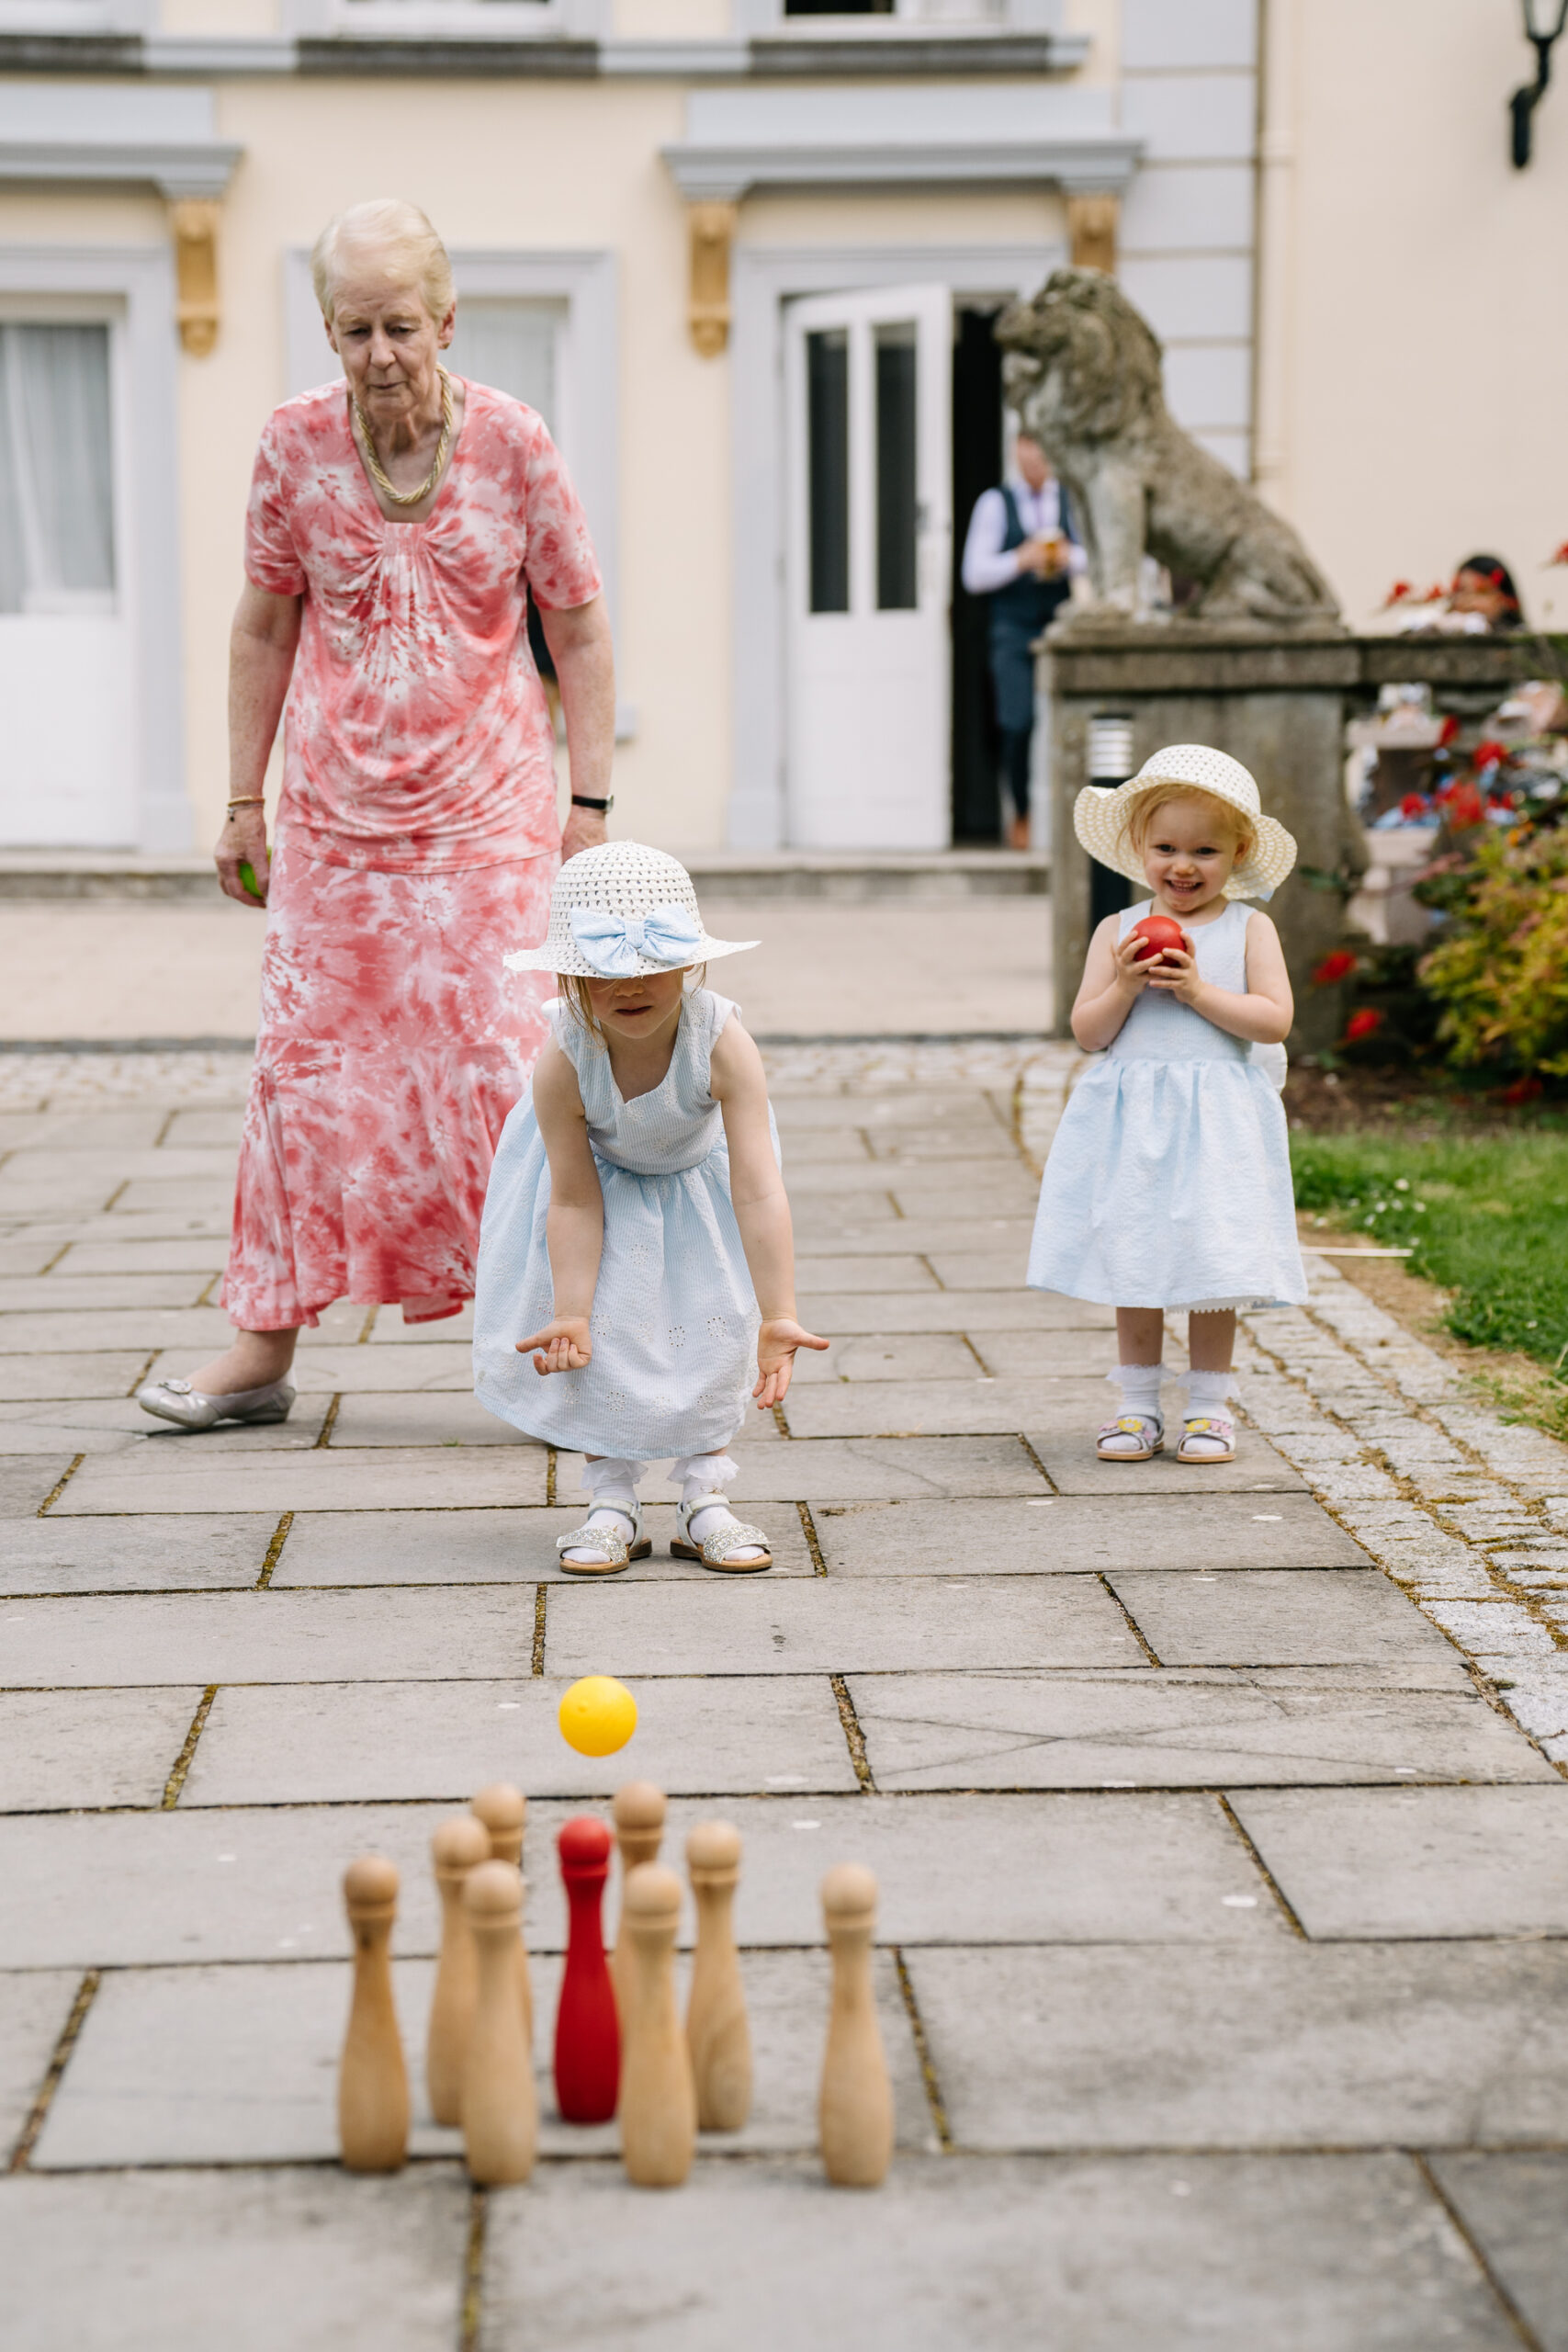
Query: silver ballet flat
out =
(178, 1401)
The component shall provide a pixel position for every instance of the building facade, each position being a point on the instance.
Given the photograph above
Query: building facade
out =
(744, 255)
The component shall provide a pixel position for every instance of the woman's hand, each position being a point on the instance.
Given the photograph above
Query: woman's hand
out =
(564, 1344)
(242, 841)
(776, 1343)
(1176, 974)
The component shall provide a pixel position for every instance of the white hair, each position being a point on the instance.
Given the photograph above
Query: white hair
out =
(400, 239)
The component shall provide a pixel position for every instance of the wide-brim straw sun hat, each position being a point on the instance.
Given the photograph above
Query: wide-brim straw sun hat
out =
(619, 910)
(1103, 813)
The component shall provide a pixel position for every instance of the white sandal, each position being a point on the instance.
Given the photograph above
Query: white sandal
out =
(716, 1550)
(612, 1551)
(1135, 1437)
(1207, 1437)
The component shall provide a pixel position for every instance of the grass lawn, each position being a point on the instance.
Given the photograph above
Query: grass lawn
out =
(1487, 1218)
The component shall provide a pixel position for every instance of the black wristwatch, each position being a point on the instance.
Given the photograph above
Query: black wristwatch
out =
(580, 800)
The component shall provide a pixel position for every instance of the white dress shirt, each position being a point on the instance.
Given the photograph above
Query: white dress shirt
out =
(987, 565)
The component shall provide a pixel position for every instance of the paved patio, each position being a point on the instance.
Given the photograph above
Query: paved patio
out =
(1218, 1814)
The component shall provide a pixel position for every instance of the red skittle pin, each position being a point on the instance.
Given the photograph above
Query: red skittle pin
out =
(588, 2034)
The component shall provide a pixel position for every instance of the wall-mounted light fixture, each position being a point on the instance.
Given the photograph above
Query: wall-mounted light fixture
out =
(1523, 103)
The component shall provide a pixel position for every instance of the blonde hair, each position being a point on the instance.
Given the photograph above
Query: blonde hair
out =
(580, 1005)
(401, 237)
(1223, 815)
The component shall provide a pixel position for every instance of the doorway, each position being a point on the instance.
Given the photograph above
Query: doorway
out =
(868, 386)
(69, 778)
(977, 456)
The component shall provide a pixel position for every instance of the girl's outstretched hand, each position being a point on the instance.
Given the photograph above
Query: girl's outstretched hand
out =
(565, 1343)
(777, 1344)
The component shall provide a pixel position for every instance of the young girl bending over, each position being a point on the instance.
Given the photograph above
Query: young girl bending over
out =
(635, 1227)
(1169, 1183)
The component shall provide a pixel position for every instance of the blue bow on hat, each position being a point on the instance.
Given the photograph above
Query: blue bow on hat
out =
(615, 943)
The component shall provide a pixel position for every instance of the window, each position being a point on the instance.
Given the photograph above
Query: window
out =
(513, 344)
(828, 468)
(57, 551)
(896, 513)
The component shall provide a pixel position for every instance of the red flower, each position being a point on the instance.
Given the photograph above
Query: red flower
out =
(1401, 590)
(1462, 806)
(1337, 967)
(1523, 1090)
(1449, 729)
(1412, 805)
(1490, 754)
(1361, 1025)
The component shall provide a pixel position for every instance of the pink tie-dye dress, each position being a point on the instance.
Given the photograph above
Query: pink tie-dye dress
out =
(417, 837)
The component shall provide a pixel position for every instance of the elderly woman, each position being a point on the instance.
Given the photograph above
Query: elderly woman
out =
(398, 523)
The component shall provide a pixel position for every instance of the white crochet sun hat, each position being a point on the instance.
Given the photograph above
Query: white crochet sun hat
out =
(619, 910)
(1102, 814)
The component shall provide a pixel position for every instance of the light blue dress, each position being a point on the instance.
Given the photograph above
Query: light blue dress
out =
(1169, 1183)
(674, 1320)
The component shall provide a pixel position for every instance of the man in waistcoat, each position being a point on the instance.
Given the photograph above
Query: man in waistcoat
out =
(1020, 554)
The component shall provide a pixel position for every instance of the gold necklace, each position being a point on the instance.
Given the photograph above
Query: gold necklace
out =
(378, 470)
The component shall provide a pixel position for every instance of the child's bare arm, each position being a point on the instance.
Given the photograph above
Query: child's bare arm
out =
(1113, 980)
(762, 1208)
(1264, 1014)
(574, 1223)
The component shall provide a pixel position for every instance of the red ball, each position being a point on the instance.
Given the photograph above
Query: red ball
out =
(1163, 933)
(584, 1843)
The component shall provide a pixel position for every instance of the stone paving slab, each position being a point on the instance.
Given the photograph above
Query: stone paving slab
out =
(1127, 1531)
(163, 1257)
(832, 1313)
(1172, 1730)
(33, 2010)
(115, 1329)
(492, 1547)
(151, 1554)
(1050, 1354)
(239, 2064)
(426, 1419)
(21, 1294)
(27, 1481)
(118, 1161)
(885, 1355)
(866, 1469)
(1514, 2207)
(1191, 2253)
(25, 1380)
(344, 1743)
(432, 1369)
(255, 1884)
(56, 1754)
(896, 1237)
(1074, 1468)
(818, 1626)
(943, 1408)
(1288, 2045)
(389, 1329)
(982, 1178)
(1282, 1617)
(883, 1272)
(308, 2258)
(190, 1477)
(295, 1638)
(1368, 1863)
(101, 1425)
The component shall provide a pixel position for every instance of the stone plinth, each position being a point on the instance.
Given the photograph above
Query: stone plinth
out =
(1279, 703)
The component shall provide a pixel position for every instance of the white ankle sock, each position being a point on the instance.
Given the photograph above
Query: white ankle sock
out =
(708, 1474)
(613, 1485)
(1207, 1393)
(1140, 1386)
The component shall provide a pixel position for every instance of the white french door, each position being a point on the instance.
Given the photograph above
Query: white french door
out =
(869, 401)
(70, 774)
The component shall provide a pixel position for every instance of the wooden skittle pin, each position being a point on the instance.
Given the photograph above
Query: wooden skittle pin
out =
(504, 1809)
(716, 2029)
(855, 2111)
(500, 2110)
(639, 1810)
(373, 2083)
(659, 2100)
(588, 2039)
(458, 1846)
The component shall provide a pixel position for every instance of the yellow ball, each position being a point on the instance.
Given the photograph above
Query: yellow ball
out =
(598, 1716)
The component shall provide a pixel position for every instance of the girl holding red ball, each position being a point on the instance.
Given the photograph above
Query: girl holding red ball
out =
(1169, 1184)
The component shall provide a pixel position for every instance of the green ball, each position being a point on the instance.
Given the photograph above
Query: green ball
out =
(248, 877)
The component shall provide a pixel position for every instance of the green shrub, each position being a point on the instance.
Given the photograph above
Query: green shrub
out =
(1501, 971)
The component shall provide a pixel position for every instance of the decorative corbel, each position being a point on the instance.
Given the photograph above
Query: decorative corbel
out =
(194, 220)
(712, 228)
(1092, 231)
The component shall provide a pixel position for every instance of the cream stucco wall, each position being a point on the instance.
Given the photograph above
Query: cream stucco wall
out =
(1413, 368)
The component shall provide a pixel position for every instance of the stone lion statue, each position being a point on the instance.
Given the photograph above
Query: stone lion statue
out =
(1083, 370)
